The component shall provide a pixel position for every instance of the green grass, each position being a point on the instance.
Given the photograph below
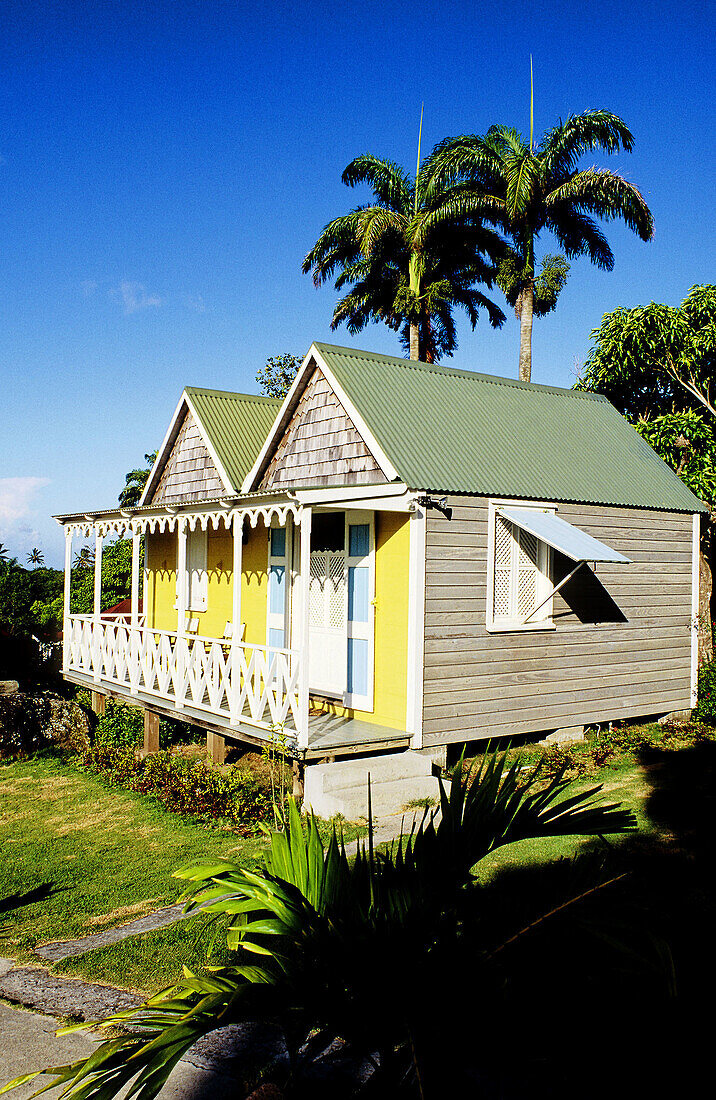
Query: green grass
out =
(80, 857)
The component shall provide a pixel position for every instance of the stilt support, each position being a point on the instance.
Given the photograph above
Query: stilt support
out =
(151, 731)
(297, 767)
(99, 703)
(215, 747)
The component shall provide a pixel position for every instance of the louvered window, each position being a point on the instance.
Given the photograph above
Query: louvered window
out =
(520, 577)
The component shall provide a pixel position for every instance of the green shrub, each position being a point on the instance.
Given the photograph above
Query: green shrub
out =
(706, 709)
(183, 785)
(120, 725)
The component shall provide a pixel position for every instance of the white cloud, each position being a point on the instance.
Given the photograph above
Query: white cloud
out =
(17, 511)
(134, 297)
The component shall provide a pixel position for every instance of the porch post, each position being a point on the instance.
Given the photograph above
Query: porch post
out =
(136, 545)
(238, 528)
(66, 604)
(303, 632)
(181, 576)
(180, 649)
(96, 620)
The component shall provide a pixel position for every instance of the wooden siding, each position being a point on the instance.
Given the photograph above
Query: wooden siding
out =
(189, 473)
(620, 648)
(321, 445)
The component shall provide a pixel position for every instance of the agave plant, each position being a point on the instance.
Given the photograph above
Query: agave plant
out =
(343, 947)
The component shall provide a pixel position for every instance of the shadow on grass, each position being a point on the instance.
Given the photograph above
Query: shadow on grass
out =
(30, 897)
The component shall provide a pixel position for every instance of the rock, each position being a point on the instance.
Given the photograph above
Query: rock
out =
(9, 687)
(564, 736)
(29, 723)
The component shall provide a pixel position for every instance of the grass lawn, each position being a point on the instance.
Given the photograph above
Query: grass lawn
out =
(80, 857)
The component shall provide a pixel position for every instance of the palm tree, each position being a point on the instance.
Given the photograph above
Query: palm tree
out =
(525, 189)
(410, 257)
(84, 558)
(3, 555)
(36, 557)
(135, 481)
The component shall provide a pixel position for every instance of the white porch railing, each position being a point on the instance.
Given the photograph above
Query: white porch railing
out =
(229, 680)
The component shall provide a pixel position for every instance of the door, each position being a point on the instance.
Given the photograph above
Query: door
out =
(360, 622)
(327, 605)
(277, 602)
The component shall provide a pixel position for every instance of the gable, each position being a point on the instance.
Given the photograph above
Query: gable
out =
(320, 445)
(189, 473)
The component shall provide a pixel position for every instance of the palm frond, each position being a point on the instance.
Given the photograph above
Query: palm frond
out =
(563, 145)
(607, 195)
(389, 181)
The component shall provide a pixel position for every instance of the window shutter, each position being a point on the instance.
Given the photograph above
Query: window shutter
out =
(503, 568)
(196, 569)
(527, 571)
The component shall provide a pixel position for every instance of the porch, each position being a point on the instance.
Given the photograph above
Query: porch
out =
(237, 687)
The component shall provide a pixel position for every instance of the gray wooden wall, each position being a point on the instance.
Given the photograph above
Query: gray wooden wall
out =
(190, 473)
(478, 684)
(321, 445)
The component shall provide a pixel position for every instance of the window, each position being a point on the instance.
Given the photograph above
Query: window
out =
(519, 571)
(196, 574)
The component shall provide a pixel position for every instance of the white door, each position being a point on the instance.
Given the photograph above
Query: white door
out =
(327, 619)
(360, 621)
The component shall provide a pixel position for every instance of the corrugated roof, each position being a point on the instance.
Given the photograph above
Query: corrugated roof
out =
(448, 430)
(236, 426)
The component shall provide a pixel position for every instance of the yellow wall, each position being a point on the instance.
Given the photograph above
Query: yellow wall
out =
(161, 583)
(160, 559)
(391, 612)
(392, 555)
(254, 584)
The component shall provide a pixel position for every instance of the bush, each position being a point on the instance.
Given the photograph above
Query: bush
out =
(120, 726)
(183, 785)
(706, 709)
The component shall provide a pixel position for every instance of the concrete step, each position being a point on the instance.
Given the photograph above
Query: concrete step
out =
(345, 774)
(342, 787)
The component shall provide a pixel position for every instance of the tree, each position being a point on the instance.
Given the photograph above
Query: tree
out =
(525, 189)
(355, 950)
(276, 378)
(3, 555)
(135, 481)
(116, 577)
(84, 559)
(656, 365)
(36, 557)
(410, 257)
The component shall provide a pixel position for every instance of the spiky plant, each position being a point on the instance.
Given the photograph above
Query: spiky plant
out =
(36, 557)
(410, 258)
(525, 189)
(345, 947)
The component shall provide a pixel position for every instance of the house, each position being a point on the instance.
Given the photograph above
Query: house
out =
(399, 558)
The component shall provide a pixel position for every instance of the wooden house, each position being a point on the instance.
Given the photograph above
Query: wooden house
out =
(398, 558)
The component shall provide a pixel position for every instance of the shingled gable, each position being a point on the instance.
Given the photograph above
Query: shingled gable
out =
(212, 440)
(440, 429)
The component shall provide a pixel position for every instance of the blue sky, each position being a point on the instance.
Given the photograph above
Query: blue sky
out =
(164, 167)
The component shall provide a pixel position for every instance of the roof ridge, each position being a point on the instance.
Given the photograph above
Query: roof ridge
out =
(439, 369)
(262, 398)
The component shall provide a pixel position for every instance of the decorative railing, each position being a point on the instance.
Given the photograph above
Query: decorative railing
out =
(234, 681)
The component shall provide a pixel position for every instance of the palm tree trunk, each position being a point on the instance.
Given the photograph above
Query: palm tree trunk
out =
(414, 341)
(526, 314)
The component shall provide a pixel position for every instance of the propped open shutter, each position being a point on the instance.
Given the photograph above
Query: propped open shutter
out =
(503, 568)
(527, 572)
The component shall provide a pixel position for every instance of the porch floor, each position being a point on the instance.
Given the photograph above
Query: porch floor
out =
(332, 735)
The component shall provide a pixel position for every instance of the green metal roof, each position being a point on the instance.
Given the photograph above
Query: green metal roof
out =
(448, 430)
(236, 426)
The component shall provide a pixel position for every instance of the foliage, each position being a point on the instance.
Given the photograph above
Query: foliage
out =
(116, 578)
(36, 557)
(349, 949)
(276, 378)
(182, 785)
(706, 710)
(120, 725)
(524, 190)
(548, 284)
(656, 359)
(135, 481)
(410, 258)
(656, 364)
(273, 754)
(29, 598)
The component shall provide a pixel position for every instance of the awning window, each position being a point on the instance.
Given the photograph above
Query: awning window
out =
(560, 535)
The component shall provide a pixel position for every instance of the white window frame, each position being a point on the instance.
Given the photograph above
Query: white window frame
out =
(544, 582)
(197, 578)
